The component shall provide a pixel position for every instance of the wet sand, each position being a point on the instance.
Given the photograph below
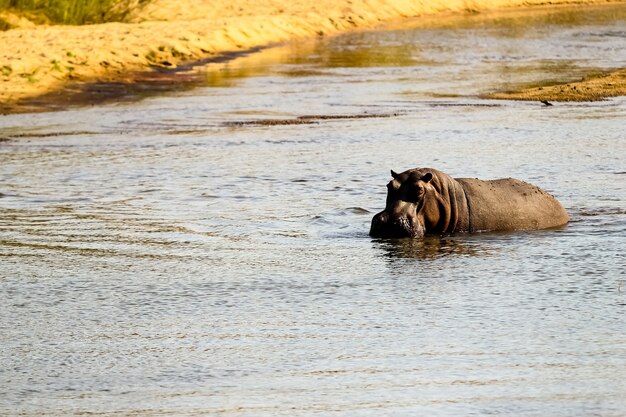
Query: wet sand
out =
(591, 89)
(40, 61)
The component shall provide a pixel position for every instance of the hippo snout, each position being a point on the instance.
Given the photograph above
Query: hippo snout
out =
(386, 226)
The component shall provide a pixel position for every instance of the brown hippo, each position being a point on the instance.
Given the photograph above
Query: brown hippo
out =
(426, 201)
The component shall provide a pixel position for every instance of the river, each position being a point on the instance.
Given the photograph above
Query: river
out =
(205, 251)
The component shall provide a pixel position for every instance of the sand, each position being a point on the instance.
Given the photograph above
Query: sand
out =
(37, 59)
(592, 89)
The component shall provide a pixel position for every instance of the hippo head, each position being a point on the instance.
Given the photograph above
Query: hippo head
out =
(402, 216)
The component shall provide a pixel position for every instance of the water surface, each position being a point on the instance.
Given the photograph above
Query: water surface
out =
(176, 256)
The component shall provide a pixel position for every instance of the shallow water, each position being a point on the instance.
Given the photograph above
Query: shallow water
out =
(175, 256)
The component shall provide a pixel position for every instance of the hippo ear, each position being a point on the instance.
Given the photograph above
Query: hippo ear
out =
(394, 174)
(427, 177)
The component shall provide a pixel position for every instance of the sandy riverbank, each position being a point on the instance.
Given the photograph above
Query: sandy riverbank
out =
(591, 89)
(36, 60)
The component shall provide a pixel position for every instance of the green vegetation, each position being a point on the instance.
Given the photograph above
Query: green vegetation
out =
(72, 12)
(55, 66)
(30, 76)
(151, 56)
(4, 25)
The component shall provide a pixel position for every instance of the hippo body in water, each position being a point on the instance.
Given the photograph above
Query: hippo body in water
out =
(426, 201)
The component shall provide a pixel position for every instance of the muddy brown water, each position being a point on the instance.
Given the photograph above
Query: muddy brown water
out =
(187, 255)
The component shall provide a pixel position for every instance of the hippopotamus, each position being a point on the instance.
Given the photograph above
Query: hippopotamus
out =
(426, 201)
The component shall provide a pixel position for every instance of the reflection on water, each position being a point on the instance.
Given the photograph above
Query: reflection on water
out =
(431, 247)
(354, 52)
(192, 255)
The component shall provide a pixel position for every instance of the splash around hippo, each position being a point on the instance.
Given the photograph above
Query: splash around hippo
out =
(426, 201)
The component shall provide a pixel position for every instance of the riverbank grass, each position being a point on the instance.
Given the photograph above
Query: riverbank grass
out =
(71, 12)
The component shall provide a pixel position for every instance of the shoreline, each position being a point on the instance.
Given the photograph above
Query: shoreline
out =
(131, 86)
(42, 62)
(594, 88)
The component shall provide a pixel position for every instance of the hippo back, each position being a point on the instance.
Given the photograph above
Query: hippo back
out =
(510, 204)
